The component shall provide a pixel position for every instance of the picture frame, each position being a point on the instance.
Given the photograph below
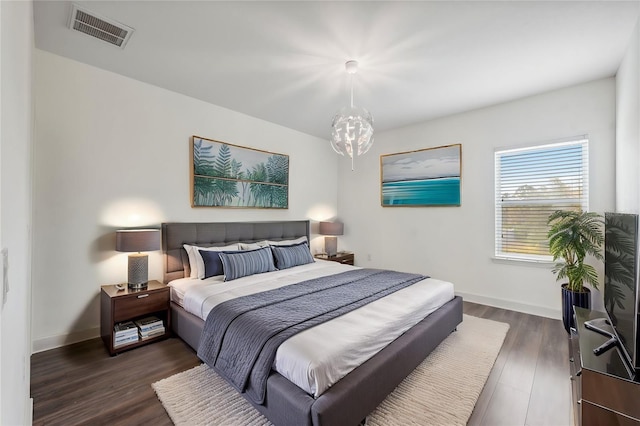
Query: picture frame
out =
(233, 176)
(422, 178)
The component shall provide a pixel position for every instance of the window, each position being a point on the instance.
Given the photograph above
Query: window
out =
(531, 183)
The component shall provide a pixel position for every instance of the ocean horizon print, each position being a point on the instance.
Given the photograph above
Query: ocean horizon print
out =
(432, 192)
(427, 177)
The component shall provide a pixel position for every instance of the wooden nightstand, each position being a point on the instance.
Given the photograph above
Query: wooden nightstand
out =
(117, 306)
(345, 257)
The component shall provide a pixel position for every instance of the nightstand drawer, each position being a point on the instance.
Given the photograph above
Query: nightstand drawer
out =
(140, 304)
(344, 257)
(347, 259)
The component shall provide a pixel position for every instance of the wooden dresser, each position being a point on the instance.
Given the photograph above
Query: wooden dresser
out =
(604, 392)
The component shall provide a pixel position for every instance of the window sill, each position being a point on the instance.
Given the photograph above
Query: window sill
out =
(523, 261)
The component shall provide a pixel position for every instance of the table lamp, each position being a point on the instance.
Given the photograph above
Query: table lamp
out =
(331, 243)
(138, 240)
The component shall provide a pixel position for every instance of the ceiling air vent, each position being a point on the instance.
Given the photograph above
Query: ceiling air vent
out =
(99, 27)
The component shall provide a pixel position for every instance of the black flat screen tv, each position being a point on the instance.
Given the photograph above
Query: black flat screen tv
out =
(621, 282)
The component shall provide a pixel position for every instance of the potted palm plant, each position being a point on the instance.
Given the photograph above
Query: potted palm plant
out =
(572, 236)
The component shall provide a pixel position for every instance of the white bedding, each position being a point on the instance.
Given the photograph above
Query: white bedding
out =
(320, 356)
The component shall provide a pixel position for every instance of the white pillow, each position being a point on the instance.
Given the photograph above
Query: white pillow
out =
(264, 243)
(192, 260)
(288, 242)
(253, 246)
(198, 264)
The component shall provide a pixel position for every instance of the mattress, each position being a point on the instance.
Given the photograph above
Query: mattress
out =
(318, 357)
(179, 287)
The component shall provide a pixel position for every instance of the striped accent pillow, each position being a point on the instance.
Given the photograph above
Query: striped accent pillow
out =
(245, 263)
(293, 255)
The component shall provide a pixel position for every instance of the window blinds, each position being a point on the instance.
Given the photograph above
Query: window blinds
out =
(531, 183)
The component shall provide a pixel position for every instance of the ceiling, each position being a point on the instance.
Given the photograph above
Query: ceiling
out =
(284, 61)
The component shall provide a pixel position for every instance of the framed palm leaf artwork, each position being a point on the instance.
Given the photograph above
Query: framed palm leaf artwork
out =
(421, 178)
(227, 175)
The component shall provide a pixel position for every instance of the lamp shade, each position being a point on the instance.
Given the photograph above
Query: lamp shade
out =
(331, 228)
(138, 240)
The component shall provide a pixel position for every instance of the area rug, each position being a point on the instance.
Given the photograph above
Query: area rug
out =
(441, 391)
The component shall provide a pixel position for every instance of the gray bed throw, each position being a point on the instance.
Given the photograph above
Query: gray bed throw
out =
(241, 336)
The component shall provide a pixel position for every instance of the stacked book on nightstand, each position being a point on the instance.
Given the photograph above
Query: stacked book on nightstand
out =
(124, 333)
(150, 327)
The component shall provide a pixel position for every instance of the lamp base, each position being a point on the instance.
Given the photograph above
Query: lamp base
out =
(331, 246)
(138, 274)
(142, 286)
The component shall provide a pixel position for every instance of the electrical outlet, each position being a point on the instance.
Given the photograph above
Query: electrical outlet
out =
(369, 257)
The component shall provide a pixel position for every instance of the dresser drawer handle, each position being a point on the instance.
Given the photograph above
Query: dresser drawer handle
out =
(143, 296)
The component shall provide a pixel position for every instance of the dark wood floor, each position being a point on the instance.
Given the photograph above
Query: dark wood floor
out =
(82, 384)
(529, 383)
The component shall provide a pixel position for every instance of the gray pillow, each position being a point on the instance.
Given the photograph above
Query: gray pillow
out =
(245, 263)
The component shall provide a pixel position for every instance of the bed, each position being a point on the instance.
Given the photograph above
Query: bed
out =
(355, 395)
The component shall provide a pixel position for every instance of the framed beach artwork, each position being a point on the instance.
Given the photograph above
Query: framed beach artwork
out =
(426, 177)
(227, 175)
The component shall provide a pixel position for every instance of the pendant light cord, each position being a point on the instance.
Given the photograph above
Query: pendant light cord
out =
(353, 154)
(351, 78)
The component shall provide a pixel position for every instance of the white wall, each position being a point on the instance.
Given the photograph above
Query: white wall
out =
(112, 152)
(628, 128)
(457, 243)
(16, 23)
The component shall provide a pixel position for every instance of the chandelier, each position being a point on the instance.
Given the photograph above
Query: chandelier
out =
(352, 127)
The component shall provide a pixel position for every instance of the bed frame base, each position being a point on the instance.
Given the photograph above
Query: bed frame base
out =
(357, 394)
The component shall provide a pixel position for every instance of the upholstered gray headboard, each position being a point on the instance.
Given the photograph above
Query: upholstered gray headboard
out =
(211, 234)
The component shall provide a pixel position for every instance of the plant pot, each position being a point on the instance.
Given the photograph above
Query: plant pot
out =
(569, 300)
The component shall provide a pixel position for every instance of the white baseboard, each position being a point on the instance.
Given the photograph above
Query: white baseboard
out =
(512, 306)
(29, 414)
(52, 342)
